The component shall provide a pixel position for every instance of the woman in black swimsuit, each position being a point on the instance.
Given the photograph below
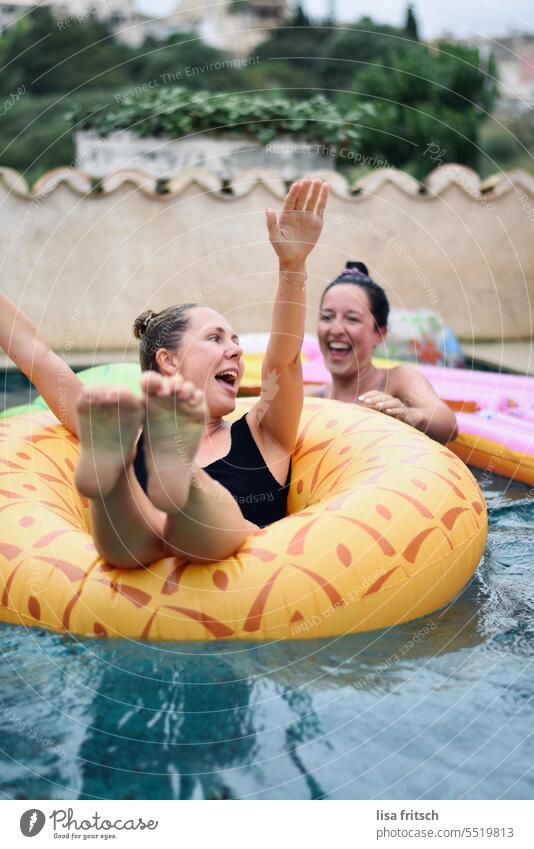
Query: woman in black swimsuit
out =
(243, 471)
(205, 485)
(353, 321)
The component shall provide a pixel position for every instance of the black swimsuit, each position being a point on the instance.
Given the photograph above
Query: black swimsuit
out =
(245, 475)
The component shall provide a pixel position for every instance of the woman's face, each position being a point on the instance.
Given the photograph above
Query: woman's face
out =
(347, 331)
(211, 357)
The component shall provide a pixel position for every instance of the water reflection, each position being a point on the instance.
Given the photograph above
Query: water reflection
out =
(437, 708)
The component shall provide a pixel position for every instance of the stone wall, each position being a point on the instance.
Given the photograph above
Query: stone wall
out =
(84, 263)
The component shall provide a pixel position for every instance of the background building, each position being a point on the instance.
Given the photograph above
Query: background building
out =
(233, 26)
(125, 20)
(514, 56)
(237, 25)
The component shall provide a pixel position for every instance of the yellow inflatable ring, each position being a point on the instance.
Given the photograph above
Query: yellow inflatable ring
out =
(384, 526)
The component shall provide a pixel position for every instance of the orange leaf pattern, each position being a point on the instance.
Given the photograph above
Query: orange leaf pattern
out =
(364, 545)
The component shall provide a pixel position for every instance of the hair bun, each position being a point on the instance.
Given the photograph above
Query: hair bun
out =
(356, 269)
(141, 323)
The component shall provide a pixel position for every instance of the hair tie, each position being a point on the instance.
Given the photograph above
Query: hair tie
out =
(351, 271)
(146, 321)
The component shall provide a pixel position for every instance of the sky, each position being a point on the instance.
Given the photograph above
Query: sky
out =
(461, 17)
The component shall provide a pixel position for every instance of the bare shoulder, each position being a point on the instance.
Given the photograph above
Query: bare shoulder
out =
(402, 376)
(405, 378)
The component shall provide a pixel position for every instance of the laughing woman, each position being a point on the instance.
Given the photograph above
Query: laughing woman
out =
(193, 486)
(353, 319)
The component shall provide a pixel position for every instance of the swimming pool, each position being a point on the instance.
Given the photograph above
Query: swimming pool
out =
(15, 389)
(441, 708)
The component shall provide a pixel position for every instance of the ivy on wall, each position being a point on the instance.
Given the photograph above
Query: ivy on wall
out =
(177, 112)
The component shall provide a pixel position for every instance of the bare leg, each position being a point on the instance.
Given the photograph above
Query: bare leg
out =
(110, 419)
(210, 525)
(126, 527)
(204, 523)
(175, 421)
(200, 520)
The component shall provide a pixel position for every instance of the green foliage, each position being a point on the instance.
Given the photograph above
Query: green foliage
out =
(350, 51)
(178, 112)
(410, 26)
(236, 7)
(298, 45)
(35, 136)
(272, 76)
(420, 96)
(506, 146)
(329, 57)
(425, 97)
(300, 18)
(183, 59)
(500, 147)
(47, 55)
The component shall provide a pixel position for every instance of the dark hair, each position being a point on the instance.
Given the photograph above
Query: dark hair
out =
(357, 273)
(157, 330)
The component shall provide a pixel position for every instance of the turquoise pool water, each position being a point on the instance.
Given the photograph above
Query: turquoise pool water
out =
(15, 389)
(441, 708)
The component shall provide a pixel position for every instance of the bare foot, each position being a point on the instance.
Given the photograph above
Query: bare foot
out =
(109, 419)
(175, 420)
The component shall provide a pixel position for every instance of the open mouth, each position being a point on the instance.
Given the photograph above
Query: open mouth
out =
(339, 350)
(228, 378)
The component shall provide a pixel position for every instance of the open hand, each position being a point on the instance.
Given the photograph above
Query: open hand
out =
(387, 404)
(295, 232)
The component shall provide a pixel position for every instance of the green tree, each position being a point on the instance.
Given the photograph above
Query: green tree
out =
(411, 26)
(47, 55)
(35, 135)
(183, 59)
(349, 51)
(300, 18)
(428, 106)
(296, 45)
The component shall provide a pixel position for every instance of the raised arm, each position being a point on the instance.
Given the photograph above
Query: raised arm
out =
(413, 400)
(293, 236)
(51, 375)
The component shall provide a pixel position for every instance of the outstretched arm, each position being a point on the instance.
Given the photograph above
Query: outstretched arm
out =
(414, 401)
(293, 236)
(51, 375)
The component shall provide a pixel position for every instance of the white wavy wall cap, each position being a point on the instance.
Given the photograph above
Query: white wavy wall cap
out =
(469, 181)
(242, 184)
